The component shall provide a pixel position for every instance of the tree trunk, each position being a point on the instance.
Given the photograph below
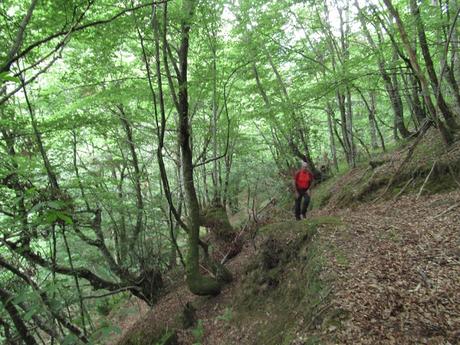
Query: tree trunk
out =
(372, 123)
(197, 283)
(349, 129)
(346, 144)
(215, 112)
(330, 124)
(444, 132)
(455, 57)
(435, 84)
(398, 104)
(418, 109)
(391, 83)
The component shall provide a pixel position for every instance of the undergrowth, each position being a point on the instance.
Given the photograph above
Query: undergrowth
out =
(282, 285)
(429, 170)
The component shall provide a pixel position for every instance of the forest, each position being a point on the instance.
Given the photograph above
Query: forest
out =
(146, 145)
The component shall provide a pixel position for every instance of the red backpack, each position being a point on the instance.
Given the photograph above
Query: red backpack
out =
(303, 179)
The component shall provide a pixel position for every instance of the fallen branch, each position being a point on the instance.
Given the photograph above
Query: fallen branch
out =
(403, 189)
(410, 152)
(426, 180)
(448, 210)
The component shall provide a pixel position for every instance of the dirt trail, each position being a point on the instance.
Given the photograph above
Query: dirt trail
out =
(396, 269)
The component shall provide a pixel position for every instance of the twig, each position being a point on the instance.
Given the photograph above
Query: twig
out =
(403, 189)
(426, 180)
(322, 310)
(123, 289)
(448, 210)
(410, 152)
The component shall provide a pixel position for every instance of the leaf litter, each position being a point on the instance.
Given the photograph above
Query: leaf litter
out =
(400, 280)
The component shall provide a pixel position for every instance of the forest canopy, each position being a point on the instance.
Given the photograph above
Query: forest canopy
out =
(128, 127)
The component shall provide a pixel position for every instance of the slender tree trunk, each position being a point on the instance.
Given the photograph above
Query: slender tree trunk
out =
(197, 283)
(455, 56)
(390, 82)
(349, 129)
(444, 132)
(215, 111)
(372, 123)
(330, 123)
(139, 226)
(435, 84)
(414, 96)
(398, 104)
(346, 144)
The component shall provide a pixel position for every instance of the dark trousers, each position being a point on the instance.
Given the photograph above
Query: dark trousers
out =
(301, 208)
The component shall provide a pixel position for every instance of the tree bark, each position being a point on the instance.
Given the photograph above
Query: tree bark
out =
(7, 300)
(444, 132)
(435, 84)
(197, 283)
(330, 124)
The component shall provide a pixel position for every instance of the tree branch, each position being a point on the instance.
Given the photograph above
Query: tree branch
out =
(36, 44)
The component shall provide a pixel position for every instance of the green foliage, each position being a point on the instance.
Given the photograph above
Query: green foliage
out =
(168, 338)
(5, 76)
(93, 107)
(198, 333)
(227, 316)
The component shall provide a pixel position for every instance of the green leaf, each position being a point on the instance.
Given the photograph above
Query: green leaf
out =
(51, 217)
(4, 76)
(55, 204)
(28, 316)
(65, 218)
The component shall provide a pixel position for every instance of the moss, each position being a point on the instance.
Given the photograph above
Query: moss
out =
(287, 288)
(341, 259)
(323, 193)
(216, 219)
(165, 337)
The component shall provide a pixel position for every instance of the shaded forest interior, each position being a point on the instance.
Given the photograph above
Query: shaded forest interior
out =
(145, 145)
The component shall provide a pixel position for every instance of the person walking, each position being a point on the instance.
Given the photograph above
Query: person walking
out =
(302, 182)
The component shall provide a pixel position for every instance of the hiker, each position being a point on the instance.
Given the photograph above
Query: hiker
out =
(302, 182)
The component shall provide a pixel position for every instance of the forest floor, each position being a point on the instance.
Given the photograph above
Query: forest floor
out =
(394, 273)
(382, 271)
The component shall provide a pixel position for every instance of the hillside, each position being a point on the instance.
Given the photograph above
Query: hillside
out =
(373, 264)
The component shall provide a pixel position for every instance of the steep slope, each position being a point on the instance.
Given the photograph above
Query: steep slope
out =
(378, 263)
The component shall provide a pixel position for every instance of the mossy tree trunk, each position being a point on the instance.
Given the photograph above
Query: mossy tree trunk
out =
(224, 238)
(197, 283)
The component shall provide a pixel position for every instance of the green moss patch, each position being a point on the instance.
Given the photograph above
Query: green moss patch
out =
(282, 289)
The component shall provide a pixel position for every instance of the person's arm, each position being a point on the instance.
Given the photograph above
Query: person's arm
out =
(294, 185)
(312, 181)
